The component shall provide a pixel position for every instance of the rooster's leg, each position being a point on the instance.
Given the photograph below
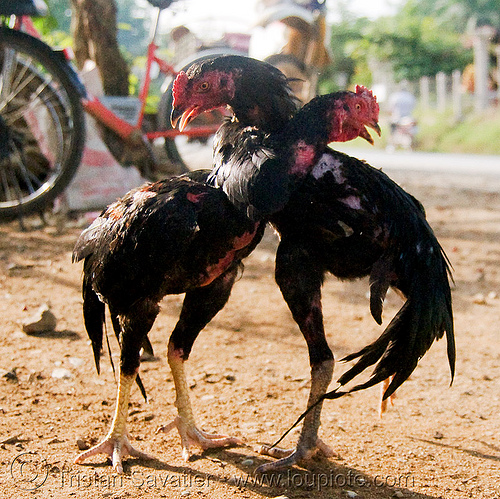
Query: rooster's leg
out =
(299, 278)
(199, 307)
(116, 444)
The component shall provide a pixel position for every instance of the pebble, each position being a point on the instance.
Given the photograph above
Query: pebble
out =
(76, 362)
(42, 321)
(398, 494)
(479, 299)
(247, 462)
(61, 373)
(351, 494)
(82, 445)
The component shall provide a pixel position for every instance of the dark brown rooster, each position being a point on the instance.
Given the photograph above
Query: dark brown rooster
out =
(184, 236)
(344, 217)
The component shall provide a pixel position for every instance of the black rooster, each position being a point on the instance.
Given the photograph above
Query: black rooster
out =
(346, 218)
(182, 235)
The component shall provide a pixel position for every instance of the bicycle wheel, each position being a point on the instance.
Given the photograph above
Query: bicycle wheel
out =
(42, 122)
(187, 152)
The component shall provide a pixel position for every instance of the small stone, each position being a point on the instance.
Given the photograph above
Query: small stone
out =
(398, 494)
(479, 299)
(76, 362)
(82, 444)
(61, 373)
(438, 435)
(149, 417)
(43, 321)
(351, 494)
(185, 493)
(247, 462)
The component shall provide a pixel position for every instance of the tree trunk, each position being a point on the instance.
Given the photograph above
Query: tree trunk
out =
(94, 32)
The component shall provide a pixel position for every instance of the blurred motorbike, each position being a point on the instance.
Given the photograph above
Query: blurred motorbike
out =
(403, 134)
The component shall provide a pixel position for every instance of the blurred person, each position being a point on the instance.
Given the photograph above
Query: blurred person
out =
(401, 104)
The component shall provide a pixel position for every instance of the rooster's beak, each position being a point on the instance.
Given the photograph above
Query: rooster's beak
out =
(174, 116)
(375, 126)
(184, 116)
(364, 132)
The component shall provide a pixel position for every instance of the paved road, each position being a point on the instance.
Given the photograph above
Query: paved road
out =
(467, 171)
(456, 170)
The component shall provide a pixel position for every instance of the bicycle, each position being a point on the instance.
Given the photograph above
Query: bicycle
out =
(132, 141)
(42, 131)
(128, 142)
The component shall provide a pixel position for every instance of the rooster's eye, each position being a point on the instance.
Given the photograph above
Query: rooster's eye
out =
(358, 107)
(204, 86)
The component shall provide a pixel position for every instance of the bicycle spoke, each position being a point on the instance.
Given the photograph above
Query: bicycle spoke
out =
(26, 175)
(5, 184)
(42, 112)
(13, 185)
(16, 86)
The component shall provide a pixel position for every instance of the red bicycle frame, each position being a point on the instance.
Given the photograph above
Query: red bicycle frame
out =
(126, 130)
(108, 118)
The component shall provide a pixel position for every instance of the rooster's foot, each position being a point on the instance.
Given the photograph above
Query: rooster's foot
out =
(290, 457)
(191, 435)
(116, 447)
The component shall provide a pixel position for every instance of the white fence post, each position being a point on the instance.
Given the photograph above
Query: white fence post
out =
(481, 43)
(456, 89)
(441, 91)
(424, 92)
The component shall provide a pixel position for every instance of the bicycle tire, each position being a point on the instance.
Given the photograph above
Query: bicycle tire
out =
(41, 109)
(174, 152)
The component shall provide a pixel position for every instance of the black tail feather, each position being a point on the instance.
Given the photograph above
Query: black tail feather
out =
(425, 317)
(379, 285)
(94, 317)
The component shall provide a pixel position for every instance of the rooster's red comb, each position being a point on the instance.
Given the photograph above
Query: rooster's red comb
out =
(364, 92)
(179, 87)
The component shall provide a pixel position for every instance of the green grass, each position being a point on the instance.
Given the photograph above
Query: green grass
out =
(475, 134)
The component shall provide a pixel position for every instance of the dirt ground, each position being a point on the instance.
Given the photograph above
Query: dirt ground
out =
(249, 377)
